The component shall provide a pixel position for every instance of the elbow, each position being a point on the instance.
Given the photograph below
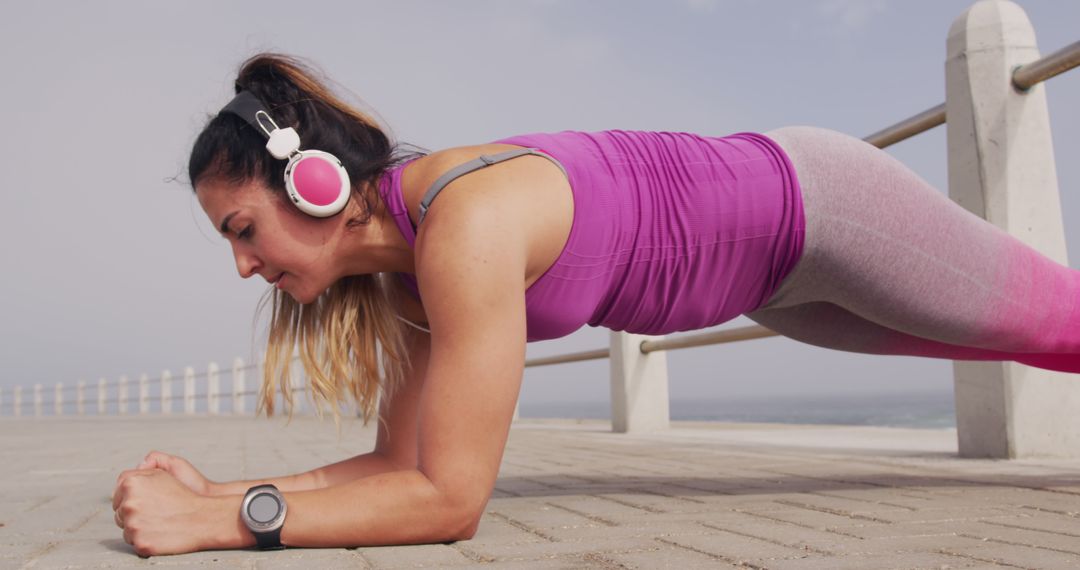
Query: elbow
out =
(465, 524)
(472, 524)
(465, 519)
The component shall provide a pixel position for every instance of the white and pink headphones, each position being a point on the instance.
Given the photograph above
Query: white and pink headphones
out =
(315, 180)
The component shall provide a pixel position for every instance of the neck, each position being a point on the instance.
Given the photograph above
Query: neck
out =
(376, 247)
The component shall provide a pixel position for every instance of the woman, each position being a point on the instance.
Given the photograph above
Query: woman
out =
(814, 234)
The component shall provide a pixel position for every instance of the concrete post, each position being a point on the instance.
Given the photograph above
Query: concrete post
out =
(80, 398)
(166, 392)
(144, 394)
(639, 385)
(1001, 168)
(213, 389)
(122, 395)
(101, 397)
(189, 390)
(58, 401)
(37, 400)
(18, 401)
(238, 386)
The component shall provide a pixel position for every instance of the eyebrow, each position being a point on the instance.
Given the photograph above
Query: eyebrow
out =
(225, 223)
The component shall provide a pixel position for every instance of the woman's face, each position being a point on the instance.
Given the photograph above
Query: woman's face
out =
(272, 239)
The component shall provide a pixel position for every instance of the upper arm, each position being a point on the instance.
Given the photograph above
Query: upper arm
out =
(470, 260)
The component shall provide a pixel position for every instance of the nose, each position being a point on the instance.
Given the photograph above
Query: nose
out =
(246, 263)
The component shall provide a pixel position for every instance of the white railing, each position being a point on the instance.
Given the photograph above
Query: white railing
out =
(197, 393)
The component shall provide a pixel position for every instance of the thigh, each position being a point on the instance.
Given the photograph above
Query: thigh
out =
(823, 324)
(885, 245)
(830, 326)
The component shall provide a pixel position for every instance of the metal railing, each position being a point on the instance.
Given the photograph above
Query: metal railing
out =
(1024, 77)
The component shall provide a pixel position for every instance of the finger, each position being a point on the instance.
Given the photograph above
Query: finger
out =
(123, 475)
(127, 478)
(155, 459)
(116, 518)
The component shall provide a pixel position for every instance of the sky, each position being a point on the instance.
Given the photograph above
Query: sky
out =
(111, 268)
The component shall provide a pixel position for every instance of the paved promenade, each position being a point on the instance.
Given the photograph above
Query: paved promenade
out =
(574, 495)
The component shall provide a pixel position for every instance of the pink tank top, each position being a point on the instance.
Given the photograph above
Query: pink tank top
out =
(671, 231)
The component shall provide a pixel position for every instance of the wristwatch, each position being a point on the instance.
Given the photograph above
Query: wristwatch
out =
(263, 512)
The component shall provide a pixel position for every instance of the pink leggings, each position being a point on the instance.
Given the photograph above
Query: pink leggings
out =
(892, 266)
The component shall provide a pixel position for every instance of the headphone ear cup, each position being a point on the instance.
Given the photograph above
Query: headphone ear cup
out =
(317, 183)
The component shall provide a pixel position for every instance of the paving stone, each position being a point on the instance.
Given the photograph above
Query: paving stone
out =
(538, 551)
(537, 515)
(596, 508)
(337, 560)
(1048, 522)
(413, 556)
(495, 530)
(575, 495)
(942, 515)
(10, 553)
(877, 530)
(1021, 556)
(919, 560)
(813, 518)
(736, 548)
(1011, 535)
(647, 529)
(668, 557)
(906, 544)
(552, 563)
(792, 536)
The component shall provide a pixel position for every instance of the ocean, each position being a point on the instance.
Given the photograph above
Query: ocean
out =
(914, 410)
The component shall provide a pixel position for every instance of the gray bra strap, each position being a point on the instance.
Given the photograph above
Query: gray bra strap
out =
(475, 164)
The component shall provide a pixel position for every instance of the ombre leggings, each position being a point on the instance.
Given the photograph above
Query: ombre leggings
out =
(892, 266)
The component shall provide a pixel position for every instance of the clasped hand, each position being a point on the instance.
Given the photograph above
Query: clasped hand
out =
(158, 508)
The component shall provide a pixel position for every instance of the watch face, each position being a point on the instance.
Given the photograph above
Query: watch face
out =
(263, 508)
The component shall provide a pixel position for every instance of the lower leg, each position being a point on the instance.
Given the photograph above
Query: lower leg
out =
(831, 326)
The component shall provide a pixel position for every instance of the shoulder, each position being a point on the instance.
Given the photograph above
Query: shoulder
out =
(529, 176)
(501, 223)
(473, 244)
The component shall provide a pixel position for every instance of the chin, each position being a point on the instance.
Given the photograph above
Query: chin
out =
(305, 299)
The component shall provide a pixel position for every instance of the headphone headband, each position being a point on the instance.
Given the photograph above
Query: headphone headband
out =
(316, 181)
(248, 107)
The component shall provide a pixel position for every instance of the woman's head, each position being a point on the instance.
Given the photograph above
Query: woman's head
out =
(335, 318)
(232, 173)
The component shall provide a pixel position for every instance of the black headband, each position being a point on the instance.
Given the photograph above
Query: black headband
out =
(247, 106)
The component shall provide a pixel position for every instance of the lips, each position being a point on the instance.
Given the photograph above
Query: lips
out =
(276, 279)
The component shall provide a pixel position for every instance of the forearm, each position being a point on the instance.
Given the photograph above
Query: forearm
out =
(401, 507)
(350, 469)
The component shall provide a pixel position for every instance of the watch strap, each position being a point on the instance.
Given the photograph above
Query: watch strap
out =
(270, 540)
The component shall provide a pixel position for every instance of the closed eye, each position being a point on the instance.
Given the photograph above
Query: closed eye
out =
(246, 233)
